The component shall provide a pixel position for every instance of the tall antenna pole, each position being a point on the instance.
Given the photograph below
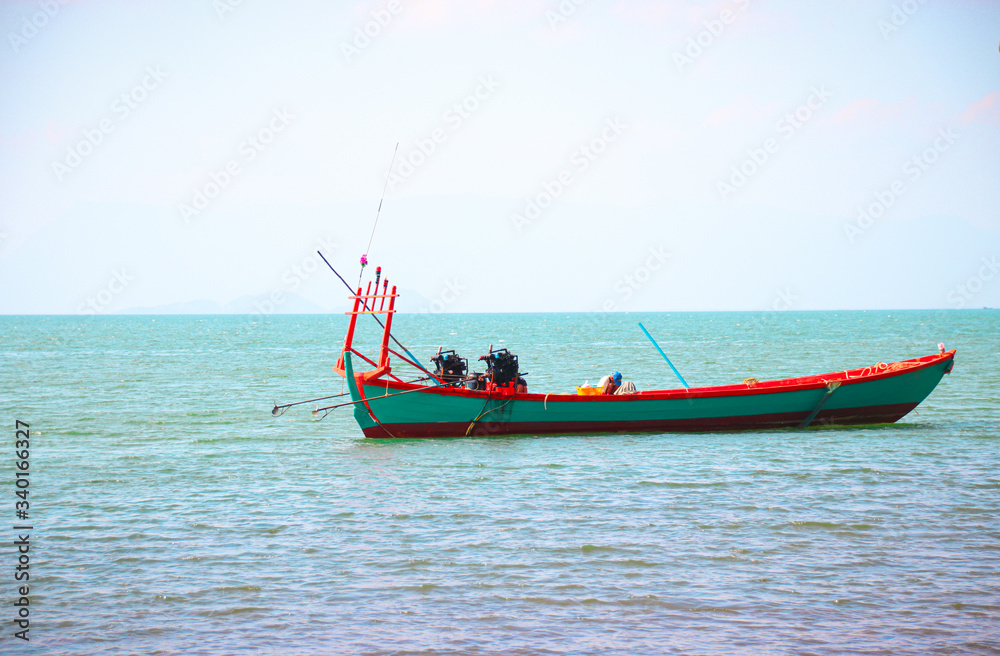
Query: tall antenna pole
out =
(364, 257)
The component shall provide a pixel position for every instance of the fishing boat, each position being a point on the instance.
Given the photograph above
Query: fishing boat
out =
(451, 402)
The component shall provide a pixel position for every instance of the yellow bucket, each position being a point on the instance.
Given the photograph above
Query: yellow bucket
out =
(588, 391)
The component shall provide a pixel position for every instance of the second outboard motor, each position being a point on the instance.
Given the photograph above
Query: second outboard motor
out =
(450, 367)
(501, 366)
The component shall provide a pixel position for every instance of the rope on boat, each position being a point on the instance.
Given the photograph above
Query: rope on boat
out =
(881, 367)
(876, 368)
(499, 407)
(482, 414)
(488, 394)
(361, 391)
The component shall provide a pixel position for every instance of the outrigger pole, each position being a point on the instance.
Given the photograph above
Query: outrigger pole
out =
(398, 343)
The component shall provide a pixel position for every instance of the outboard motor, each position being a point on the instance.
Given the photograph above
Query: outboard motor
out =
(501, 367)
(450, 367)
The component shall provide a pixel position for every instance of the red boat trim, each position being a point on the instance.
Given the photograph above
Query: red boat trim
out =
(846, 377)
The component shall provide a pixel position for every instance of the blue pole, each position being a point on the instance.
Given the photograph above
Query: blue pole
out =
(684, 382)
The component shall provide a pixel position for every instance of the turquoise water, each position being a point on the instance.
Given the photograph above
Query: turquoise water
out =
(173, 514)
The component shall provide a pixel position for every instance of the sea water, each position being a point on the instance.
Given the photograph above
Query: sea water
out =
(171, 513)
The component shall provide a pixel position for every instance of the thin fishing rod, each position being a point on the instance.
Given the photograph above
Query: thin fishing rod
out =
(330, 408)
(280, 409)
(375, 317)
(375, 225)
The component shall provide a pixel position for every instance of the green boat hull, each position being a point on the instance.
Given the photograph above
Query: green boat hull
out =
(880, 394)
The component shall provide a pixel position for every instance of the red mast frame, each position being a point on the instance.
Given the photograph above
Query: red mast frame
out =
(365, 304)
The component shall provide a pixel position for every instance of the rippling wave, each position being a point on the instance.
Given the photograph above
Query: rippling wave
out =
(174, 515)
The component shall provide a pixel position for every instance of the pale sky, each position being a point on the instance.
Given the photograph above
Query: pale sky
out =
(553, 156)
